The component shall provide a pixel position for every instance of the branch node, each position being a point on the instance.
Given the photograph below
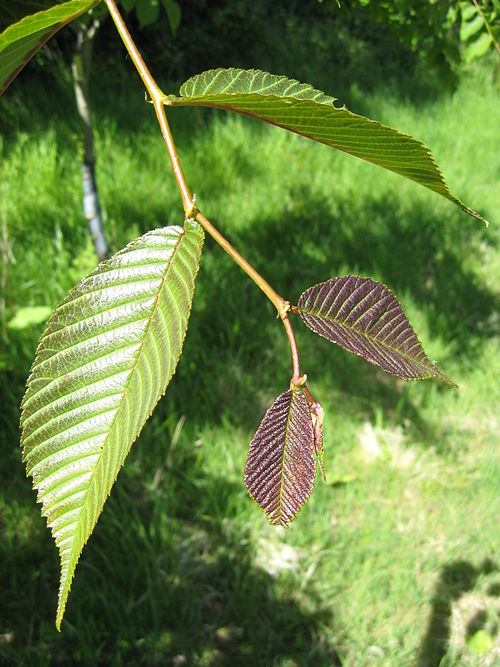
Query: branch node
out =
(284, 309)
(298, 382)
(192, 210)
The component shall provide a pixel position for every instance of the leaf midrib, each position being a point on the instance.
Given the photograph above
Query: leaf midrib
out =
(88, 360)
(431, 178)
(124, 391)
(60, 432)
(285, 444)
(58, 21)
(373, 339)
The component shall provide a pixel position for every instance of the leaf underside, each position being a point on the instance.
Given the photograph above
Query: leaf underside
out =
(302, 109)
(280, 468)
(364, 317)
(20, 41)
(102, 363)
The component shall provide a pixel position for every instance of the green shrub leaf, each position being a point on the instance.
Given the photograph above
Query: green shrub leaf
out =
(470, 28)
(20, 41)
(280, 469)
(147, 11)
(102, 363)
(302, 109)
(28, 316)
(478, 47)
(174, 14)
(364, 317)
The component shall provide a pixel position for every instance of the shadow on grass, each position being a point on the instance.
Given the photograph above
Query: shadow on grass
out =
(233, 339)
(418, 256)
(163, 581)
(455, 579)
(177, 585)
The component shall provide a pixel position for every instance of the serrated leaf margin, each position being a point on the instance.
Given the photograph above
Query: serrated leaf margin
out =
(326, 314)
(86, 516)
(281, 468)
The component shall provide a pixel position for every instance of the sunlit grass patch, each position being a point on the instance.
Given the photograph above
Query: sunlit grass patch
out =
(397, 554)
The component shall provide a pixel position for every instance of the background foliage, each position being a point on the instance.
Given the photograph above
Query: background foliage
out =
(394, 561)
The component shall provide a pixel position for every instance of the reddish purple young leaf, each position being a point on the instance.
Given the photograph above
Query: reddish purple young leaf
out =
(364, 317)
(280, 469)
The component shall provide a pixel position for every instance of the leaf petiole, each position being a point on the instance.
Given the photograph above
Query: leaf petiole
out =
(188, 200)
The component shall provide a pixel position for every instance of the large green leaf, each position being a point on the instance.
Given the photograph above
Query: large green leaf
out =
(102, 363)
(20, 41)
(302, 109)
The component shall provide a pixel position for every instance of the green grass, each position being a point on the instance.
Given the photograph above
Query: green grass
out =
(395, 561)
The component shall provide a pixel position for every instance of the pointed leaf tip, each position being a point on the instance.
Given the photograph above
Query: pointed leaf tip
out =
(104, 360)
(300, 108)
(365, 318)
(280, 468)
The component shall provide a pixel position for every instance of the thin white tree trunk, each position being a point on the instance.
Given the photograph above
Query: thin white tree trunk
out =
(80, 69)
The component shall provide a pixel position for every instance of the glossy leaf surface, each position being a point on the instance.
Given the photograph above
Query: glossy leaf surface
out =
(364, 317)
(20, 41)
(102, 363)
(280, 468)
(302, 109)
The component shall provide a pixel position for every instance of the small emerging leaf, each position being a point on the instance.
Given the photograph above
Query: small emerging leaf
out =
(317, 416)
(299, 108)
(280, 468)
(364, 317)
(104, 360)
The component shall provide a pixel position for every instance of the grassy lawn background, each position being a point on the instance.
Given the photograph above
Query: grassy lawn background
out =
(396, 559)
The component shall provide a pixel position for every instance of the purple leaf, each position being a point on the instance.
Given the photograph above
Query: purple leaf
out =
(364, 317)
(280, 468)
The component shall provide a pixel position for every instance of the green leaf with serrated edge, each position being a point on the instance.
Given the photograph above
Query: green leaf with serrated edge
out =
(301, 109)
(478, 47)
(364, 317)
(20, 41)
(280, 468)
(102, 363)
